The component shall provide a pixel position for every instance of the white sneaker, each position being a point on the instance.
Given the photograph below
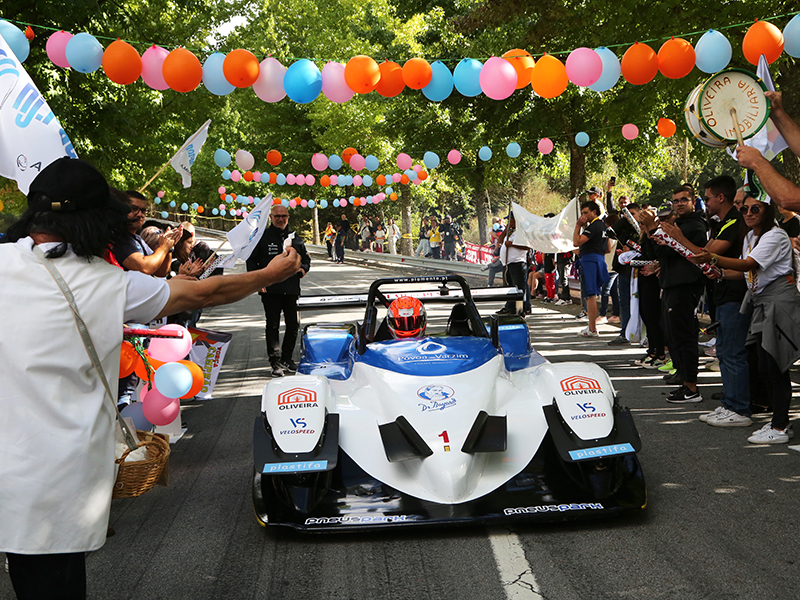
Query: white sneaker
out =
(768, 435)
(586, 332)
(561, 302)
(706, 416)
(601, 320)
(728, 418)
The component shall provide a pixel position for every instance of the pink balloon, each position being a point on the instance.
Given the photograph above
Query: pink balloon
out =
(417, 181)
(158, 409)
(357, 163)
(57, 48)
(376, 199)
(222, 189)
(357, 180)
(498, 78)
(257, 176)
(396, 177)
(334, 179)
(221, 206)
(319, 161)
(584, 67)
(310, 180)
(235, 175)
(238, 212)
(171, 349)
(269, 85)
(290, 179)
(545, 145)
(418, 168)
(342, 202)
(299, 179)
(292, 204)
(245, 213)
(454, 157)
(630, 131)
(152, 61)
(404, 162)
(333, 84)
(304, 203)
(160, 194)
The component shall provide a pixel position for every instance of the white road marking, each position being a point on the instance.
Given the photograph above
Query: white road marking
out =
(516, 575)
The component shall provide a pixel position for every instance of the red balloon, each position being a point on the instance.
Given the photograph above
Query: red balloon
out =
(348, 154)
(128, 358)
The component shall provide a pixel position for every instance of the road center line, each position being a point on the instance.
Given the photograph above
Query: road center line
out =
(516, 574)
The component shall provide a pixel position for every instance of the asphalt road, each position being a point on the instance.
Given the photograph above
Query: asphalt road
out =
(720, 523)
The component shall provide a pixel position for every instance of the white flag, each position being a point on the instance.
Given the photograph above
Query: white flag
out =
(184, 158)
(30, 135)
(548, 235)
(244, 237)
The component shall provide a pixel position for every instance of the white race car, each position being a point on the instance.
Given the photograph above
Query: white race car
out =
(472, 425)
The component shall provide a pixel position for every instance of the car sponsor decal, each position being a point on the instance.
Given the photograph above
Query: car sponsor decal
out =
(300, 427)
(359, 520)
(600, 451)
(297, 398)
(446, 440)
(296, 467)
(578, 385)
(589, 412)
(552, 508)
(432, 351)
(437, 397)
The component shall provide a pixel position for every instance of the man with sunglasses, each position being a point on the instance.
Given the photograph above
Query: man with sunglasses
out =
(682, 284)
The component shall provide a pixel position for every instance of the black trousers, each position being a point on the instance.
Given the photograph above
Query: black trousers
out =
(274, 305)
(650, 311)
(339, 247)
(329, 245)
(777, 387)
(48, 576)
(680, 325)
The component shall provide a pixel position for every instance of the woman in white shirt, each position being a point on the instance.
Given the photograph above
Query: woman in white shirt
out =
(766, 264)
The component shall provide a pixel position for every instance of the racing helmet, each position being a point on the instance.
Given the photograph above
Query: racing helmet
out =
(406, 317)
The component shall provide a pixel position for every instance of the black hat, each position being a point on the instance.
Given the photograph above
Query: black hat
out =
(594, 190)
(71, 184)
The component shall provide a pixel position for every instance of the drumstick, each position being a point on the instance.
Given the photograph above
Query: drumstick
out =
(736, 127)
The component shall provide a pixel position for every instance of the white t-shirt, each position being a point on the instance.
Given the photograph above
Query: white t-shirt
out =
(515, 255)
(773, 253)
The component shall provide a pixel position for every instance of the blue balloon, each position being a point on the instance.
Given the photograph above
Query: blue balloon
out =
(173, 379)
(311, 204)
(195, 205)
(226, 174)
(713, 52)
(214, 78)
(172, 204)
(411, 174)
(336, 203)
(157, 200)
(389, 190)
(372, 162)
(466, 77)
(335, 162)
(352, 198)
(369, 199)
(280, 179)
(791, 37)
(302, 81)
(348, 180)
(222, 212)
(228, 198)
(611, 70)
(513, 150)
(367, 180)
(134, 412)
(582, 138)
(222, 158)
(214, 211)
(441, 84)
(84, 53)
(485, 153)
(164, 214)
(323, 203)
(431, 160)
(184, 206)
(285, 203)
(16, 40)
(254, 201)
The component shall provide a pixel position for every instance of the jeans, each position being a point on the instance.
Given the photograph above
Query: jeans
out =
(609, 290)
(732, 355)
(624, 291)
(562, 264)
(339, 247)
(493, 271)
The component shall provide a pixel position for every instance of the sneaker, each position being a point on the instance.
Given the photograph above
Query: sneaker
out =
(505, 311)
(618, 341)
(710, 351)
(614, 319)
(586, 332)
(706, 416)
(667, 366)
(561, 302)
(728, 418)
(601, 320)
(684, 395)
(641, 362)
(277, 370)
(674, 378)
(713, 366)
(655, 363)
(289, 365)
(581, 315)
(768, 435)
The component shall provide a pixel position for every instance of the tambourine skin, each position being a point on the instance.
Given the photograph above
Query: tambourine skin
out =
(733, 88)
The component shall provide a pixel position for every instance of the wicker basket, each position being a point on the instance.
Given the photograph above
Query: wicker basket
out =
(136, 478)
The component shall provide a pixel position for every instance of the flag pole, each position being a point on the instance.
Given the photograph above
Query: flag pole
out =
(210, 258)
(181, 149)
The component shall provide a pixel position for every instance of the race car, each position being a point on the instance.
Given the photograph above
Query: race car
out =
(468, 425)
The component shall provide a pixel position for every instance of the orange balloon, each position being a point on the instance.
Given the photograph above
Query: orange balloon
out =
(676, 58)
(356, 202)
(276, 200)
(404, 179)
(140, 370)
(393, 196)
(274, 158)
(273, 177)
(523, 64)
(233, 196)
(762, 38)
(381, 180)
(240, 68)
(248, 176)
(666, 127)
(122, 62)
(549, 77)
(361, 74)
(198, 379)
(325, 181)
(348, 154)
(423, 175)
(639, 64)
(222, 197)
(201, 210)
(391, 83)
(182, 70)
(417, 73)
(127, 359)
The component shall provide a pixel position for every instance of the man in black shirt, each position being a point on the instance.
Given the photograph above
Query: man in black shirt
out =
(593, 246)
(341, 235)
(134, 254)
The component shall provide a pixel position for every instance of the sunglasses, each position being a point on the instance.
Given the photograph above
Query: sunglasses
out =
(753, 209)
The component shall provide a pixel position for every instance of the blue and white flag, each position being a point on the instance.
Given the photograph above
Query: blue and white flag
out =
(548, 235)
(244, 237)
(184, 158)
(30, 135)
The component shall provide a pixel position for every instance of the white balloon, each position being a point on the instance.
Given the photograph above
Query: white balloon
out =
(245, 160)
(269, 85)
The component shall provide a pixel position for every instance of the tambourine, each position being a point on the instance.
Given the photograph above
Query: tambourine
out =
(728, 108)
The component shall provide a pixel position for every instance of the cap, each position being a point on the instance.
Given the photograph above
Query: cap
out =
(594, 190)
(665, 209)
(71, 184)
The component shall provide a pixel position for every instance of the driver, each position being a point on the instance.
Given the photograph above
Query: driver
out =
(407, 317)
